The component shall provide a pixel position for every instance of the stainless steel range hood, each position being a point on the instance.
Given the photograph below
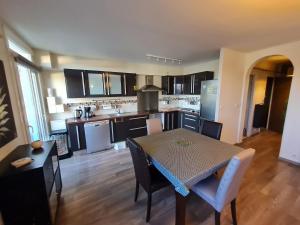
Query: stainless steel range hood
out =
(149, 87)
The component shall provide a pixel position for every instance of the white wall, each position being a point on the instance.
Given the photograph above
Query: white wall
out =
(290, 141)
(10, 75)
(235, 68)
(231, 72)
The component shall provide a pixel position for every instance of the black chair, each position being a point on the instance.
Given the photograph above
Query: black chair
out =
(212, 129)
(146, 175)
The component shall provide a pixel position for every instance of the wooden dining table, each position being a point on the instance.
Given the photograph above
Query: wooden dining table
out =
(185, 157)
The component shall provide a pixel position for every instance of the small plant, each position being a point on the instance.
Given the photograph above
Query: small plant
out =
(3, 115)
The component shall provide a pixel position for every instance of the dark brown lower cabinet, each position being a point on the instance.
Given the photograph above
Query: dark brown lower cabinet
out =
(190, 121)
(76, 136)
(170, 120)
(30, 194)
(122, 128)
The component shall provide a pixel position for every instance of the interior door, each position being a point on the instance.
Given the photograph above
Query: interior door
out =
(280, 99)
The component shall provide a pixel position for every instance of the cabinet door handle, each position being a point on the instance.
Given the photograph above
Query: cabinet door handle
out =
(112, 131)
(137, 128)
(78, 139)
(103, 83)
(172, 121)
(190, 119)
(192, 84)
(194, 77)
(189, 115)
(190, 127)
(137, 118)
(83, 83)
(125, 85)
(181, 121)
(107, 84)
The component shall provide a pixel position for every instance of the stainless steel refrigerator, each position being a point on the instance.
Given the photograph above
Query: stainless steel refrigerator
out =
(208, 100)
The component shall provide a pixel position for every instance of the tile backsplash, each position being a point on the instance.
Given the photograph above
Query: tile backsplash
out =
(125, 104)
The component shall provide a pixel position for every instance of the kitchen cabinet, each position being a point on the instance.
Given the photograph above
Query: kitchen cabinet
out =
(192, 82)
(190, 121)
(178, 85)
(122, 128)
(115, 84)
(198, 78)
(90, 83)
(167, 83)
(137, 126)
(75, 83)
(96, 83)
(76, 136)
(170, 120)
(119, 129)
(188, 84)
(129, 84)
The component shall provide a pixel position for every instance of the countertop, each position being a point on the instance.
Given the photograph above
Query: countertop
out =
(71, 121)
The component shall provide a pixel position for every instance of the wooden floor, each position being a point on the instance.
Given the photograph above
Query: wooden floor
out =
(99, 189)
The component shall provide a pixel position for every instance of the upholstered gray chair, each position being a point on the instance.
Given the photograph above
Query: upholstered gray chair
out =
(219, 193)
(154, 126)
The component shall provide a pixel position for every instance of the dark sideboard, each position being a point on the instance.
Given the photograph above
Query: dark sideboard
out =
(30, 195)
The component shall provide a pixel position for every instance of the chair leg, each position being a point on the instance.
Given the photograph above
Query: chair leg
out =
(233, 212)
(149, 207)
(136, 191)
(217, 218)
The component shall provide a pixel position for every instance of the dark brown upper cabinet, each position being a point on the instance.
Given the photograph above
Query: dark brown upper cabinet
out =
(95, 83)
(167, 83)
(129, 84)
(187, 84)
(91, 83)
(75, 83)
(178, 85)
(198, 78)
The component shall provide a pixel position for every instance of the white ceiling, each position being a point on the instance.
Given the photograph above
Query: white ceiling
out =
(191, 30)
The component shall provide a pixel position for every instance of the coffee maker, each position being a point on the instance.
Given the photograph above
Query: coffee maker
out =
(78, 113)
(88, 112)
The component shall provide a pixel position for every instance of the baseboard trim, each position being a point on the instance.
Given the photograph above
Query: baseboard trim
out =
(289, 161)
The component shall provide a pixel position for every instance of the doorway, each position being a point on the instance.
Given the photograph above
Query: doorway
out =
(268, 94)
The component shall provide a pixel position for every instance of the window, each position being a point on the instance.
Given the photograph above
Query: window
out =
(16, 48)
(17, 44)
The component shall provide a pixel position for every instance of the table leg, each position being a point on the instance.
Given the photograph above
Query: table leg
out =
(180, 209)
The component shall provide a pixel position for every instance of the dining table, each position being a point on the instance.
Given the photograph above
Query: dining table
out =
(185, 158)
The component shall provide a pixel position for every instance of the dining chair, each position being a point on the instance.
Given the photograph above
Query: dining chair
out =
(212, 129)
(220, 193)
(154, 126)
(146, 174)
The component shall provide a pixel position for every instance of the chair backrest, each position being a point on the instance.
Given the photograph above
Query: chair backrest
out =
(154, 126)
(212, 129)
(232, 177)
(140, 164)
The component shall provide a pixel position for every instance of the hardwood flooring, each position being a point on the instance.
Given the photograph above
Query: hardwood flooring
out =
(99, 189)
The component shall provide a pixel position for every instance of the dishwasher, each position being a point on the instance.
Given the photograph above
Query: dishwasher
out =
(97, 136)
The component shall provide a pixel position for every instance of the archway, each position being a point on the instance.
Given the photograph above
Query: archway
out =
(269, 85)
